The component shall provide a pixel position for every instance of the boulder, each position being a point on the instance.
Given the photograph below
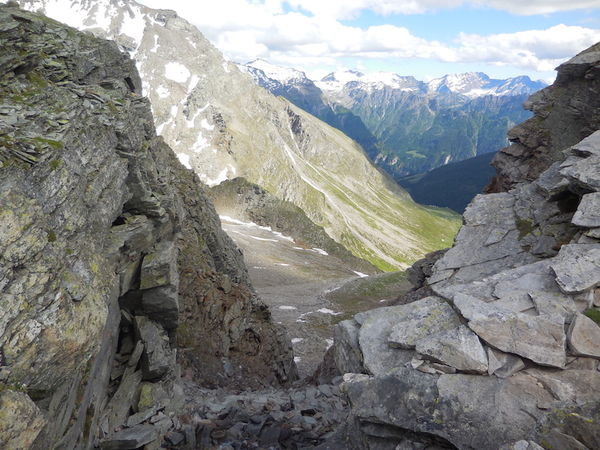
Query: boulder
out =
(420, 319)
(130, 438)
(458, 347)
(577, 267)
(502, 364)
(378, 357)
(584, 337)
(467, 411)
(588, 211)
(160, 284)
(541, 339)
(20, 420)
(346, 350)
(157, 358)
(583, 172)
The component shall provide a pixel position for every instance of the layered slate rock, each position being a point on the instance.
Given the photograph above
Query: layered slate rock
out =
(522, 280)
(101, 226)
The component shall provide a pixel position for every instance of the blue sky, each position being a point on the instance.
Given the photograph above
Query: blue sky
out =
(423, 38)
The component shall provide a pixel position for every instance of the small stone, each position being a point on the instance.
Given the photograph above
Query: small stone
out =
(175, 438)
(140, 417)
(584, 337)
(503, 365)
(130, 438)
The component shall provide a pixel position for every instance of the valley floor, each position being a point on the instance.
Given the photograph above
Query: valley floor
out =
(302, 287)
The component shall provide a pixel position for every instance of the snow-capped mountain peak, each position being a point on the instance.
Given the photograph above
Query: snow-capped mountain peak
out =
(478, 84)
(282, 74)
(375, 80)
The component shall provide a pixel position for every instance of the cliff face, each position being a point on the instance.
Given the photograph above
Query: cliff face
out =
(504, 351)
(563, 114)
(110, 252)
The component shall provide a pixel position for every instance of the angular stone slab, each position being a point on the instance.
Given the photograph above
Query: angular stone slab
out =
(589, 146)
(588, 211)
(553, 304)
(346, 350)
(458, 347)
(577, 267)
(584, 173)
(159, 268)
(157, 357)
(503, 365)
(130, 438)
(472, 308)
(541, 339)
(584, 337)
(422, 318)
(573, 386)
(378, 357)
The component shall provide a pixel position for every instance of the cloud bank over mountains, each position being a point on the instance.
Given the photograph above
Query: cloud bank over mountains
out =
(317, 33)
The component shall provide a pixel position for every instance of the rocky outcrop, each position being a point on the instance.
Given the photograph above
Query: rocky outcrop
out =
(563, 114)
(248, 202)
(112, 260)
(514, 361)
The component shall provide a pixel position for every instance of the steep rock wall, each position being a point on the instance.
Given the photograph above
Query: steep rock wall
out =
(112, 260)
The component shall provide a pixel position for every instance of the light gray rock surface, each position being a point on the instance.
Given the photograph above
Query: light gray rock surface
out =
(584, 337)
(457, 347)
(420, 319)
(588, 212)
(538, 338)
(577, 267)
(378, 357)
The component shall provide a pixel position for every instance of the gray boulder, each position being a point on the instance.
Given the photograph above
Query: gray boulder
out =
(157, 357)
(584, 337)
(346, 351)
(373, 335)
(458, 347)
(577, 267)
(541, 339)
(502, 364)
(588, 211)
(420, 319)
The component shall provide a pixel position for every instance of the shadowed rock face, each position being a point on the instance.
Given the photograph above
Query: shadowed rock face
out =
(111, 256)
(523, 279)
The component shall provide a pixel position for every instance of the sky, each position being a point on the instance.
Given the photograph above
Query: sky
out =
(423, 38)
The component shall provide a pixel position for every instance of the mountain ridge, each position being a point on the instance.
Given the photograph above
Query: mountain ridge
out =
(408, 126)
(220, 124)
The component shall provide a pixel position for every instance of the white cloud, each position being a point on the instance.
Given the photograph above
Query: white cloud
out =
(311, 36)
(531, 7)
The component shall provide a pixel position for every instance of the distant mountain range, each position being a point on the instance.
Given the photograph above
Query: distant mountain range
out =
(222, 125)
(408, 126)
